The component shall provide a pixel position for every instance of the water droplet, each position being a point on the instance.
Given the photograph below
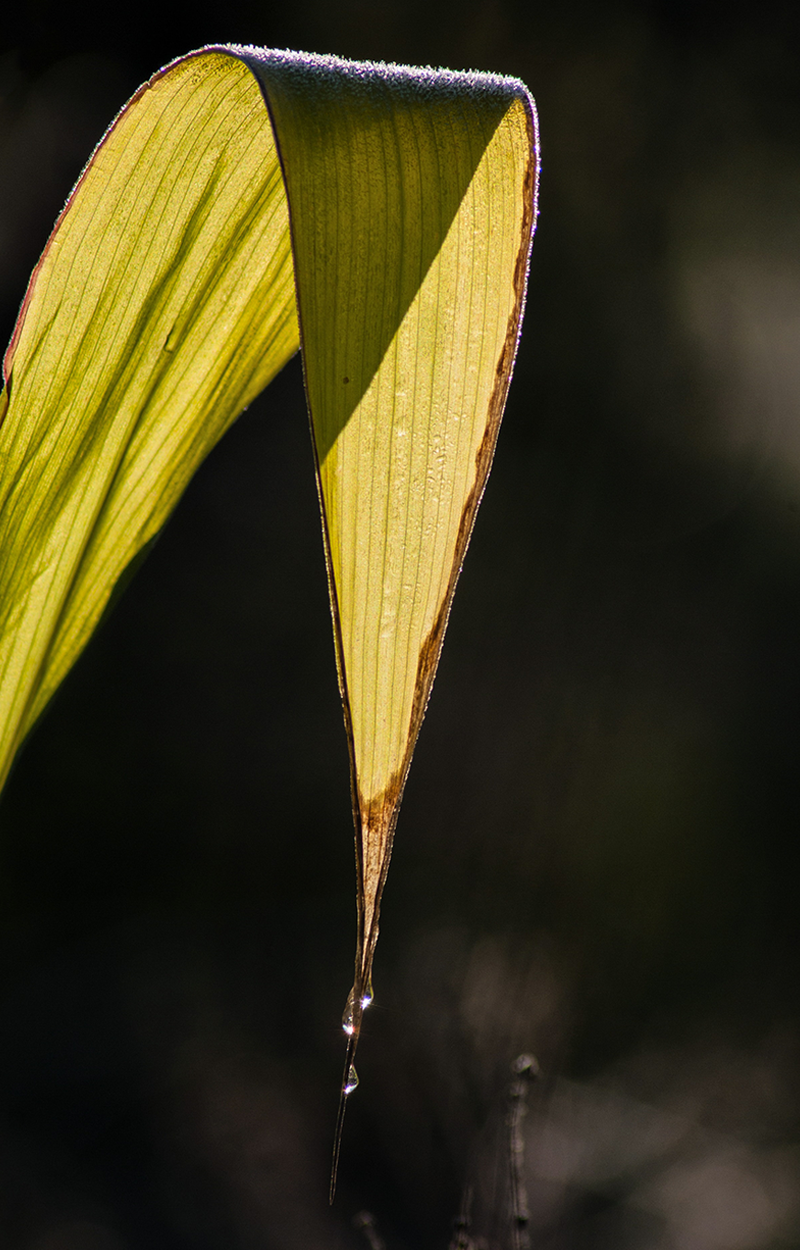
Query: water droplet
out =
(367, 996)
(172, 340)
(352, 1080)
(347, 1018)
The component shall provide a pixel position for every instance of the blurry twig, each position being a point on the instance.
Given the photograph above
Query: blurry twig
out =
(365, 1221)
(525, 1069)
(461, 1238)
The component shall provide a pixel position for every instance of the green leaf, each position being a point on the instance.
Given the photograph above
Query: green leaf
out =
(163, 303)
(400, 205)
(432, 179)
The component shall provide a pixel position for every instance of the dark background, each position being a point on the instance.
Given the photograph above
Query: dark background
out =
(597, 856)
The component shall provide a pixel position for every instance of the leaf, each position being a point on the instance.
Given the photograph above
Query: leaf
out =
(164, 302)
(428, 214)
(162, 305)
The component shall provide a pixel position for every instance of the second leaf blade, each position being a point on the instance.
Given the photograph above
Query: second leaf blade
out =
(411, 278)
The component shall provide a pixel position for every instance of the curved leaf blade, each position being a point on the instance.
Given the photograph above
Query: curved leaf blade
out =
(163, 303)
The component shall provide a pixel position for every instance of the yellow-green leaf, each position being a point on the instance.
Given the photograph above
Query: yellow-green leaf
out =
(399, 205)
(162, 305)
(427, 214)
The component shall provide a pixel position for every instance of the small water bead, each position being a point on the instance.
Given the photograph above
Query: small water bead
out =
(352, 1080)
(347, 1018)
(348, 1023)
(367, 996)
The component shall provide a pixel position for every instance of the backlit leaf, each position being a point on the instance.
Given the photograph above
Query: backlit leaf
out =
(396, 207)
(163, 303)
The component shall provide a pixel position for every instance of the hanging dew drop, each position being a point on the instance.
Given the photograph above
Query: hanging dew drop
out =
(347, 1018)
(367, 996)
(352, 1080)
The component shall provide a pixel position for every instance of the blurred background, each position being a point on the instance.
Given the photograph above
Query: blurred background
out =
(597, 858)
